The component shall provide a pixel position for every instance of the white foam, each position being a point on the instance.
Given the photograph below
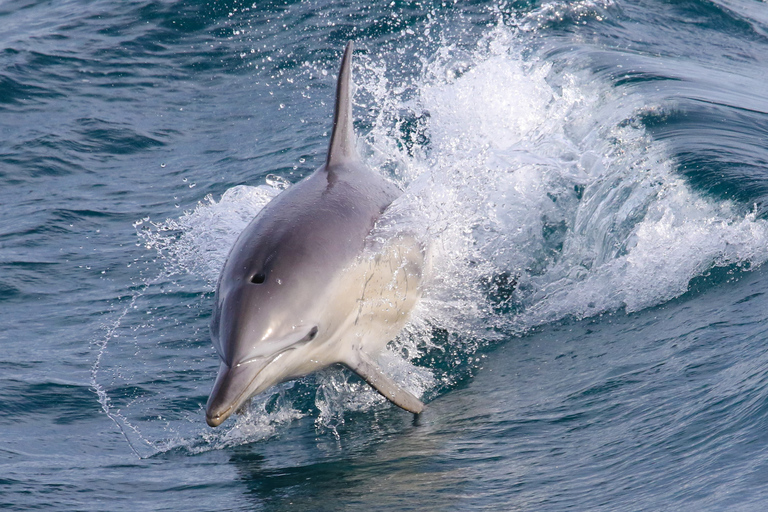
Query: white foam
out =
(534, 174)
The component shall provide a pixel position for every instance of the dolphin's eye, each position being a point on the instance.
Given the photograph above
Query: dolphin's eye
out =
(258, 279)
(310, 335)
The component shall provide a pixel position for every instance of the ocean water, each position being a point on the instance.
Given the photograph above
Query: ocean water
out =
(592, 176)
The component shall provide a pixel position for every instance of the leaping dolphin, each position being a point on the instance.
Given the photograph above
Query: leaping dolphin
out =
(301, 288)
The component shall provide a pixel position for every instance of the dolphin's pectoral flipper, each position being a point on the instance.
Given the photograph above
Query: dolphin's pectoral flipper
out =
(370, 372)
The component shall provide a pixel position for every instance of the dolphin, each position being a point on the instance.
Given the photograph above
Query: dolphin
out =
(305, 287)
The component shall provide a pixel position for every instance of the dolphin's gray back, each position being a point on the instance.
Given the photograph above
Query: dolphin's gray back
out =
(324, 217)
(307, 234)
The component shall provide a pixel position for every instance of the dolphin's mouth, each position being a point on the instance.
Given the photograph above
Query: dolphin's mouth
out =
(234, 385)
(217, 419)
(227, 381)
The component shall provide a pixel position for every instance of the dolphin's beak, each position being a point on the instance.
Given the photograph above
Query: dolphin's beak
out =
(236, 384)
(231, 390)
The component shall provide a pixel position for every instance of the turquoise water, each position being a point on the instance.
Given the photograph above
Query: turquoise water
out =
(592, 174)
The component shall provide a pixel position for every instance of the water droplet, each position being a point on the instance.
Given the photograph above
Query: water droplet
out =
(278, 182)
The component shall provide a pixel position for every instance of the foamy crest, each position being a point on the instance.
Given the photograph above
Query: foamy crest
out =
(539, 177)
(198, 242)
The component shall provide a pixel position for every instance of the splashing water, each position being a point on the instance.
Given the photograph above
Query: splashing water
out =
(546, 179)
(541, 199)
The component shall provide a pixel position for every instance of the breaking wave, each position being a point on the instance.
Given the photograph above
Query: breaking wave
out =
(543, 199)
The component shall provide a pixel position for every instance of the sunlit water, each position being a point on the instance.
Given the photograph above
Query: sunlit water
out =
(590, 177)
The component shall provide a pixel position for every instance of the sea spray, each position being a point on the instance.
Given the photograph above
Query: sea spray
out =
(541, 197)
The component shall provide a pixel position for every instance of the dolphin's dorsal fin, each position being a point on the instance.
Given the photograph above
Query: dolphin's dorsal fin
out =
(361, 364)
(342, 146)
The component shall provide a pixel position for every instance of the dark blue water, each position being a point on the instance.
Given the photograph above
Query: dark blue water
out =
(593, 176)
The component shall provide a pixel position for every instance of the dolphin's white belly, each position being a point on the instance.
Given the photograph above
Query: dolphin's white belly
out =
(372, 301)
